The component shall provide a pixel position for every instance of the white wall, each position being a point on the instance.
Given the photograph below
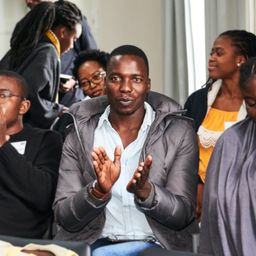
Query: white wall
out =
(113, 23)
(138, 22)
(10, 12)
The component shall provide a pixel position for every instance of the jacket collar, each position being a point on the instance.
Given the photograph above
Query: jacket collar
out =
(160, 103)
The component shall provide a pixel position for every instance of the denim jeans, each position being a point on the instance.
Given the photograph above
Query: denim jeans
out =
(103, 247)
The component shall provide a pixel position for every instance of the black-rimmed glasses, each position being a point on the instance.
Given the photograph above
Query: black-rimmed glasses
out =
(97, 78)
(5, 95)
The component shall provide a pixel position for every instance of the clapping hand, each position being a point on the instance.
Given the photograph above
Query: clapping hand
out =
(107, 171)
(139, 184)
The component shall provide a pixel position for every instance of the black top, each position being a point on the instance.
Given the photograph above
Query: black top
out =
(196, 105)
(28, 182)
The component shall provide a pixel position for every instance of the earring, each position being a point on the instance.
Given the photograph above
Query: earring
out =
(238, 65)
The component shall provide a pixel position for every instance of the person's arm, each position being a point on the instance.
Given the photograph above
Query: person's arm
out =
(33, 177)
(173, 203)
(75, 206)
(42, 75)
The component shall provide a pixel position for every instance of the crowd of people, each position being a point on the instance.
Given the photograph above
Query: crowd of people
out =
(133, 172)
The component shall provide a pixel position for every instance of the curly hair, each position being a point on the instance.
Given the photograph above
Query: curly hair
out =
(90, 55)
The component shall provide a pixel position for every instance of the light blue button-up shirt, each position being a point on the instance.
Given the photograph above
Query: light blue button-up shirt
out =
(123, 220)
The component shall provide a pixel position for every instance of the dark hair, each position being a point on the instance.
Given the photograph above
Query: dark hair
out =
(43, 17)
(90, 55)
(67, 14)
(245, 42)
(19, 79)
(130, 50)
(247, 72)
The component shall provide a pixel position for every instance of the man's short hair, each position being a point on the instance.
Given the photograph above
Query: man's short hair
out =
(130, 50)
(19, 79)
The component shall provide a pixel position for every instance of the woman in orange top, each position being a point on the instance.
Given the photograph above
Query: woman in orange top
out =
(219, 104)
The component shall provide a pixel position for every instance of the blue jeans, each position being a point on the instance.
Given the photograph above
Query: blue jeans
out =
(103, 247)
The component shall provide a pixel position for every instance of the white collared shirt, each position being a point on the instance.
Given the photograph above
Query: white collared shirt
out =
(123, 220)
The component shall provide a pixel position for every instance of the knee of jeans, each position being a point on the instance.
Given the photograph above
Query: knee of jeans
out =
(97, 252)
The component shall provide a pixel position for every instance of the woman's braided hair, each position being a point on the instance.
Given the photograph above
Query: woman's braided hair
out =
(43, 17)
(244, 41)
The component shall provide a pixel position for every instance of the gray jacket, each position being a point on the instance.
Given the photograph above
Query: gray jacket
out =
(171, 142)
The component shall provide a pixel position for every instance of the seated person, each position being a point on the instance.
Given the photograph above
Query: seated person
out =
(229, 212)
(138, 189)
(29, 162)
(90, 70)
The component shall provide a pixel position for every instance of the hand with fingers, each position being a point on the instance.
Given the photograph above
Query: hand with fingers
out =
(107, 171)
(3, 128)
(139, 184)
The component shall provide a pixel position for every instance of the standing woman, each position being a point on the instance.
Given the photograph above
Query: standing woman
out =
(46, 32)
(219, 104)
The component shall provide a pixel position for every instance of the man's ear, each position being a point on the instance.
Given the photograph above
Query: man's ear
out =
(24, 107)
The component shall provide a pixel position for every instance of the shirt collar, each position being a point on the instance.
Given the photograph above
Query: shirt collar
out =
(148, 118)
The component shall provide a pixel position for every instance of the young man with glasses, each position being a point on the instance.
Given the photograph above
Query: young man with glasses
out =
(29, 162)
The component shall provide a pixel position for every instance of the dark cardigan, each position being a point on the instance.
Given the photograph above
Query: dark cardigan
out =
(28, 182)
(196, 105)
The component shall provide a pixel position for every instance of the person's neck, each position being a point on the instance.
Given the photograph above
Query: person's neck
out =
(126, 122)
(231, 88)
(127, 126)
(14, 128)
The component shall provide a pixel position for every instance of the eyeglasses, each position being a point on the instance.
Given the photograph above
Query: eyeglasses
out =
(5, 95)
(97, 78)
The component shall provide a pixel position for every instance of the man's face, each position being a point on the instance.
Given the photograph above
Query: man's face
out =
(11, 100)
(31, 3)
(127, 84)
